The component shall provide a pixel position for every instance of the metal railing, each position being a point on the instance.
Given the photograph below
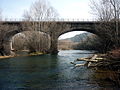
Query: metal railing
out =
(50, 19)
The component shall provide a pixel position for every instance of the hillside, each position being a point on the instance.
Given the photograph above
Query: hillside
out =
(80, 37)
(65, 44)
(68, 43)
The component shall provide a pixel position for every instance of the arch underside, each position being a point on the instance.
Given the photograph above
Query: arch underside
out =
(87, 30)
(7, 39)
(10, 34)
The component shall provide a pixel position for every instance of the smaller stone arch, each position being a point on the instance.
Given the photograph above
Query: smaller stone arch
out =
(7, 41)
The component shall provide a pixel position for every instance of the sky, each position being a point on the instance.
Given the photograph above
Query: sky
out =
(67, 9)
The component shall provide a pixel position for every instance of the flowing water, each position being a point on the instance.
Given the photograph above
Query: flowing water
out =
(50, 72)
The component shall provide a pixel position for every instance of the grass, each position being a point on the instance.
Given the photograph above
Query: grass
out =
(18, 55)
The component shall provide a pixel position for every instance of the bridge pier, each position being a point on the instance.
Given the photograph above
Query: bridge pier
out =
(1, 50)
(54, 45)
(7, 48)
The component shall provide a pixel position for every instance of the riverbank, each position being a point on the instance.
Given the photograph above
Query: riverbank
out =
(109, 63)
(110, 59)
(101, 61)
(20, 55)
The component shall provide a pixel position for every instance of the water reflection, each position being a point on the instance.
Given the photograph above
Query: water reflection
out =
(48, 72)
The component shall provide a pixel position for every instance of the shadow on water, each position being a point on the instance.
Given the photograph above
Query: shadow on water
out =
(27, 72)
(49, 72)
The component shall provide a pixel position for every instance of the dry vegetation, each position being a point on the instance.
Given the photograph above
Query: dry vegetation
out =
(114, 54)
(33, 41)
(66, 44)
(108, 13)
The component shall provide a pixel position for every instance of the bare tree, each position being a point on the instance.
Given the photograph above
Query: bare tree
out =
(43, 16)
(102, 10)
(41, 12)
(0, 14)
(116, 11)
(37, 41)
(32, 41)
(18, 41)
(107, 11)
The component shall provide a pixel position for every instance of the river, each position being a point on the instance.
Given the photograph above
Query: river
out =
(50, 72)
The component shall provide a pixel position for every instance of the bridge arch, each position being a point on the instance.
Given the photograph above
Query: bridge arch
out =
(7, 41)
(55, 39)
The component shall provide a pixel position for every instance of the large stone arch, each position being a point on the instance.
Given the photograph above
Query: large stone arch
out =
(54, 48)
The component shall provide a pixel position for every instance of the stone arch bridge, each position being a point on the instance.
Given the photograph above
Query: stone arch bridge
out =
(58, 28)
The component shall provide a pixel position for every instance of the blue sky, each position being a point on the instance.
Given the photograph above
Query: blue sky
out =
(14, 8)
(77, 9)
(69, 9)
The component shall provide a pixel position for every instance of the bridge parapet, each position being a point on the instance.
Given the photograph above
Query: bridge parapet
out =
(48, 19)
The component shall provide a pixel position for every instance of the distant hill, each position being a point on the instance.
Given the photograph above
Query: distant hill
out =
(65, 44)
(68, 43)
(79, 37)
